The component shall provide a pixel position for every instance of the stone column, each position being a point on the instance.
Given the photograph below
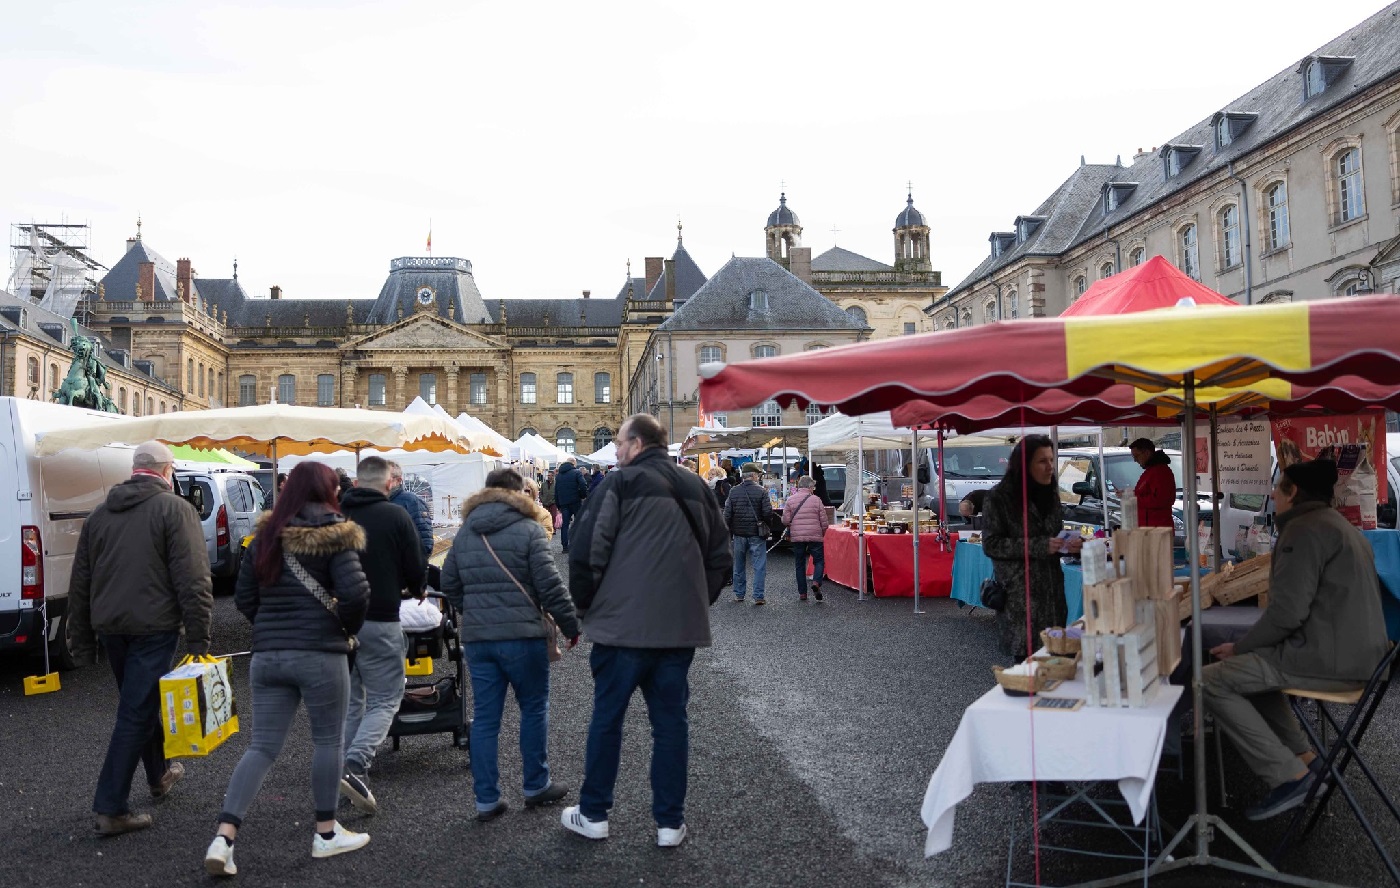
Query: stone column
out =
(451, 369)
(400, 384)
(349, 377)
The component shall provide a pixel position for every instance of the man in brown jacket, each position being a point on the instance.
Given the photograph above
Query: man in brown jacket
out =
(141, 572)
(1323, 630)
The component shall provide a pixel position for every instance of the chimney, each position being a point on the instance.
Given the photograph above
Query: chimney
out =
(1140, 155)
(586, 293)
(184, 279)
(671, 281)
(146, 281)
(800, 263)
(131, 242)
(276, 292)
(653, 267)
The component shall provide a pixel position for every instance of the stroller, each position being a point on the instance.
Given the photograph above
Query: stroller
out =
(436, 706)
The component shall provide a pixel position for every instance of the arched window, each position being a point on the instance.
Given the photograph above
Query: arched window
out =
(53, 377)
(857, 314)
(286, 389)
(1276, 203)
(136, 404)
(711, 354)
(602, 388)
(213, 392)
(1230, 237)
(1190, 258)
(201, 380)
(565, 440)
(1013, 305)
(162, 407)
(950, 322)
(602, 437)
(1137, 257)
(1278, 296)
(189, 376)
(219, 392)
(427, 387)
(967, 317)
(527, 431)
(765, 351)
(1351, 203)
(32, 370)
(378, 385)
(989, 311)
(564, 388)
(1105, 270)
(767, 414)
(1080, 285)
(121, 399)
(527, 388)
(151, 406)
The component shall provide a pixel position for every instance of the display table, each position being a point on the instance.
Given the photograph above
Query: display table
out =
(993, 744)
(971, 566)
(891, 559)
(1386, 545)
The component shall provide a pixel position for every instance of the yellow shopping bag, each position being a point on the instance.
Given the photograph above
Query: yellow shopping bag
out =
(197, 700)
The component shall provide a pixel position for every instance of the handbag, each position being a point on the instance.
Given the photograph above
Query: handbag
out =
(993, 594)
(551, 628)
(327, 601)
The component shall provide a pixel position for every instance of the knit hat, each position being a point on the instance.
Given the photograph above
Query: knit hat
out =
(150, 455)
(750, 468)
(1315, 478)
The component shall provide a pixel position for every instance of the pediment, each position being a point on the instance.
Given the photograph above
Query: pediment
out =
(425, 333)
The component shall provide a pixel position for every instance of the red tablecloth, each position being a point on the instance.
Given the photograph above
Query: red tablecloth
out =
(892, 562)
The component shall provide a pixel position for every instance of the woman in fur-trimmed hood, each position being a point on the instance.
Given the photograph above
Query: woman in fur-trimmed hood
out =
(500, 573)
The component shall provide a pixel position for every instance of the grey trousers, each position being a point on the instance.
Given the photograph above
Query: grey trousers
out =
(1245, 694)
(376, 690)
(280, 680)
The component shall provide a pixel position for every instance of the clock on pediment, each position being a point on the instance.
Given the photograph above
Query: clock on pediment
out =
(426, 299)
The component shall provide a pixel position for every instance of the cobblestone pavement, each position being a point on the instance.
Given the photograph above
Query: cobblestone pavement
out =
(815, 729)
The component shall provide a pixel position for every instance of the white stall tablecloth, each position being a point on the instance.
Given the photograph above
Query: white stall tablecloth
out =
(999, 740)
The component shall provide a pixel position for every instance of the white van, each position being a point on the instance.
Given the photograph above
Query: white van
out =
(43, 504)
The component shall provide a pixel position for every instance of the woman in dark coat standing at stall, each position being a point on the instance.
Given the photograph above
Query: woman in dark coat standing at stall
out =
(304, 551)
(1021, 526)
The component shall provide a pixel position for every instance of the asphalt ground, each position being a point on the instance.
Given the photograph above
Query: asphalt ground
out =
(814, 731)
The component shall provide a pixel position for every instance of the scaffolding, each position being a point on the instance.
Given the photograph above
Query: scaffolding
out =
(51, 266)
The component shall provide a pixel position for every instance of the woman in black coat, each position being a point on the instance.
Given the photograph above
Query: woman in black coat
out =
(1021, 524)
(302, 588)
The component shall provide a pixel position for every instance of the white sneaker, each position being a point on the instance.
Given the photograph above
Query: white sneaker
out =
(573, 820)
(218, 860)
(670, 838)
(344, 840)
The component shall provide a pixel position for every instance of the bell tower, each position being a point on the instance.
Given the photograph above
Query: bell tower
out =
(783, 232)
(911, 251)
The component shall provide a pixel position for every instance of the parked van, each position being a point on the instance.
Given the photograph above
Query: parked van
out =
(228, 503)
(41, 520)
(972, 462)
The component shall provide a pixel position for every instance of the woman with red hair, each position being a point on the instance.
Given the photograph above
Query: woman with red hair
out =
(304, 591)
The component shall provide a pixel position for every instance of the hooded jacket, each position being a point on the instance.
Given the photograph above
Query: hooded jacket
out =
(1324, 618)
(746, 510)
(286, 616)
(141, 567)
(392, 556)
(805, 519)
(1156, 492)
(570, 487)
(492, 607)
(413, 504)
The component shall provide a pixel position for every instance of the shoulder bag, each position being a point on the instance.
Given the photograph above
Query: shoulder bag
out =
(551, 628)
(319, 592)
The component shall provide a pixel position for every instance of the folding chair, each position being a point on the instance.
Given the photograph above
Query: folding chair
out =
(1340, 753)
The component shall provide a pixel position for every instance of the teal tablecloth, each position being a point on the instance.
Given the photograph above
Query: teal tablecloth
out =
(971, 566)
(1386, 545)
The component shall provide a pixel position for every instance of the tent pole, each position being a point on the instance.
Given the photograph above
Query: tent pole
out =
(275, 485)
(914, 471)
(1217, 552)
(1103, 485)
(942, 506)
(860, 511)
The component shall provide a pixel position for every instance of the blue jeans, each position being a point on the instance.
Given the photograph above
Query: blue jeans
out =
(376, 690)
(280, 680)
(800, 551)
(567, 514)
(523, 665)
(138, 662)
(663, 676)
(755, 549)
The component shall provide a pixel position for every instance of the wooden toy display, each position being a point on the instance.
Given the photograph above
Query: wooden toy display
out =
(1236, 582)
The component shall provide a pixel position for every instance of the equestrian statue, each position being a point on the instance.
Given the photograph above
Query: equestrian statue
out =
(86, 384)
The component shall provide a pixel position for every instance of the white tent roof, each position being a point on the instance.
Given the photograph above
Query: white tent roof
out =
(606, 455)
(472, 424)
(839, 432)
(536, 447)
(712, 440)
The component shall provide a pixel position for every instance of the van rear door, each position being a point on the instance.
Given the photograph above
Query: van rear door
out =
(11, 464)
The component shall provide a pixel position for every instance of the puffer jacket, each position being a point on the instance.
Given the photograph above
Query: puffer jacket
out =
(418, 511)
(805, 519)
(547, 493)
(140, 568)
(746, 510)
(285, 615)
(570, 487)
(491, 604)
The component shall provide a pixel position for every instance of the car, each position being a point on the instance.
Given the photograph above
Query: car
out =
(1083, 481)
(835, 475)
(973, 463)
(228, 504)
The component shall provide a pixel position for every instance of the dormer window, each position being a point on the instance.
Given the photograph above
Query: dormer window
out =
(1320, 72)
(1230, 125)
(1115, 194)
(758, 300)
(1176, 158)
(1027, 226)
(1001, 242)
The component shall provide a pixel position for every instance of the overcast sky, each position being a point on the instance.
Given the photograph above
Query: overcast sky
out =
(549, 142)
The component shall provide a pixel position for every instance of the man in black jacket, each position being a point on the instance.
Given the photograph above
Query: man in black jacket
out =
(645, 615)
(394, 564)
(747, 512)
(570, 490)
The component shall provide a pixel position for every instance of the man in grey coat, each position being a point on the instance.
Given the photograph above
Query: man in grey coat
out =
(645, 614)
(1323, 631)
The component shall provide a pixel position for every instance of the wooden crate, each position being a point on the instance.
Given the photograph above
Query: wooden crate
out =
(1239, 581)
(1108, 607)
(1168, 624)
(1182, 595)
(1129, 662)
(1145, 555)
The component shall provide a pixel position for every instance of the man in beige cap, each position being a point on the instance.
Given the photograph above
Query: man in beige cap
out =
(140, 574)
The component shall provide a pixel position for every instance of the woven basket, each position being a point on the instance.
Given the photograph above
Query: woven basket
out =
(1063, 668)
(1060, 647)
(1023, 684)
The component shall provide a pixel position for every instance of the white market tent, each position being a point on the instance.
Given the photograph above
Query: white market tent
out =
(532, 446)
(606, 455)
(444, 480)
(475, 426)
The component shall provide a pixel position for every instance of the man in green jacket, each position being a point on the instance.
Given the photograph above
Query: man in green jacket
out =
(1323, 631)
(140, 574)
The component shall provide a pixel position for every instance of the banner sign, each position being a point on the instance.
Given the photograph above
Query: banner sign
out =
(1245, 461)
(1357, 443)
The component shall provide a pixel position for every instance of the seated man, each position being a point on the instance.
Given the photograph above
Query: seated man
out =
(1323, 630)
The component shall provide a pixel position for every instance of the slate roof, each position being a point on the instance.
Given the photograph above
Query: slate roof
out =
(837, 259)
(43, 324)
(458, 298)
(909, 216)
(296, 312)
(689, 278)
(119, 283)
(638, 287)
(782, 215)
(1374, 46)
(562, 312)
(723, 303)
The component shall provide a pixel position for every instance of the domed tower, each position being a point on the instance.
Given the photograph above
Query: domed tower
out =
(911, 239)
(783, 231)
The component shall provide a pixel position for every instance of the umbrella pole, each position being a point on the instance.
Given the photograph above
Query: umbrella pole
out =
(1217, 551)
(942, 496)
(860, 511)
(1103, 485)
(914, 472)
